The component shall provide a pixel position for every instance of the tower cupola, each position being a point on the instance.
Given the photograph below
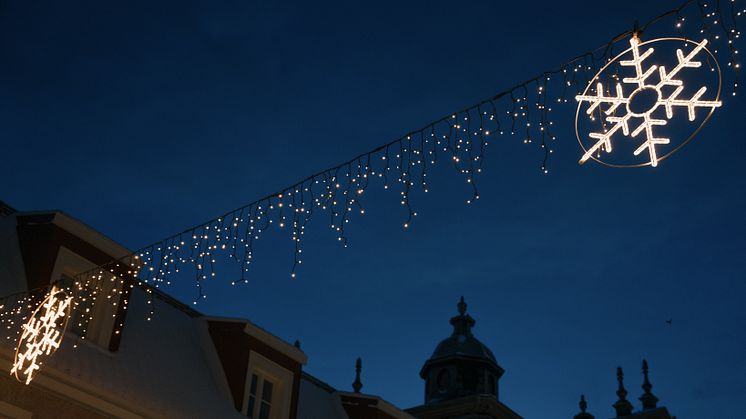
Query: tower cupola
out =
(461, 365)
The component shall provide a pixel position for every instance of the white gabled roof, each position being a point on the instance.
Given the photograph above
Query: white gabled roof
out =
(317, 400)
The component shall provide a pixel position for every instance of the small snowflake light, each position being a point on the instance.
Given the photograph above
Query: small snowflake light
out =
(643, 103)
(41, 335)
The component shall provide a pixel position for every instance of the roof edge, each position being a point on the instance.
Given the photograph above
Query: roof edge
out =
(430, 362)
(82, 230)
(273, 341)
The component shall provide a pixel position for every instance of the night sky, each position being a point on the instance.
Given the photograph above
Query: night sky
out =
(144, 118)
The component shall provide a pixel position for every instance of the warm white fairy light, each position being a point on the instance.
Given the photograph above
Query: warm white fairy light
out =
(640, 81)
(41, 335)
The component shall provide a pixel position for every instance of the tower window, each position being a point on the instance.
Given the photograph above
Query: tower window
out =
(444, 380)
(470, 378)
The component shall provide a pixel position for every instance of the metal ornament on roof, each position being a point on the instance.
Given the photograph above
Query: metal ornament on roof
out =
(645, 114)
(41, 335)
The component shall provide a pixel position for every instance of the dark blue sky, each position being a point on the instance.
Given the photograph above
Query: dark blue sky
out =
(143, 119)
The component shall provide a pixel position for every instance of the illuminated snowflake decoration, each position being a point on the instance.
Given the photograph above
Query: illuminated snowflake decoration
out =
(41, 335)
(621, 112)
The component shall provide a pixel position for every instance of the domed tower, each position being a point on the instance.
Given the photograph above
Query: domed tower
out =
(462, 377)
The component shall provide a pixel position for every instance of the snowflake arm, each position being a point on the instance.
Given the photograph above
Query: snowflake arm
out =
(650, 140)
(690, 104)
(684, 62)
(599, 98)
(636, 62)
(604, 139)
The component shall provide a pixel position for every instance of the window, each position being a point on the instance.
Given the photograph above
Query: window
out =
(491, 385)
(469, 379)
(260, 407)
(103, 310)
(75, 322)
(268, 389)
(444, 380)
(266, 400)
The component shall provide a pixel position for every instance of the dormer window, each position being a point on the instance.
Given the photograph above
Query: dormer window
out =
(55, 247)
(269, 389)
(262, 372)
(260, 407)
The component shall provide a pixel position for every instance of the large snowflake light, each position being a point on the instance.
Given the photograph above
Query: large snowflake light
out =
(41, 335)
(638, 112)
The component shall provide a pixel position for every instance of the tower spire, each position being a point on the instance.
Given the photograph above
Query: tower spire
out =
(648, 399)
(622, 406)
(583, 406)
(357, 384)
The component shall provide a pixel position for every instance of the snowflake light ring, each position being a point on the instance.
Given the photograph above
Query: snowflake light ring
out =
(619, 111)
(41, 335)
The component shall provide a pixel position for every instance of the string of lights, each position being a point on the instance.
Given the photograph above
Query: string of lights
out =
(460, 139)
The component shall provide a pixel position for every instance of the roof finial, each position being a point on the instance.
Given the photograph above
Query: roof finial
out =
(648, 399)
(622, 406)
(462, 323)
(583, 406)
(462, 306)
(357, 385)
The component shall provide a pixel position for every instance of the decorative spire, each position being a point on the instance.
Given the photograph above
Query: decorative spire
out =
(648, 399)
(462, 323)
(583, 406)
(357, 385)
(622, 406)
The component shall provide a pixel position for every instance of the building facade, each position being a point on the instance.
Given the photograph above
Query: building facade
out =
(183, 364)
(178, 364)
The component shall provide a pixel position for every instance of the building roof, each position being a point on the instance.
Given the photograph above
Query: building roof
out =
(166, 367)
(163, 368)
(318, 400)
(657, 413)
(624, 408)
(461, 344)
